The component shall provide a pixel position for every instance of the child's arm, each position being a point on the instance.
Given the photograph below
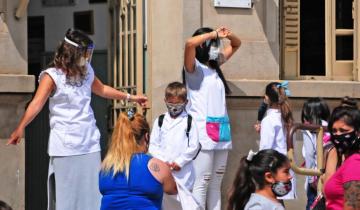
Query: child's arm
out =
(155, 141)
(108, 92)
(190, 151)
(267, 135)
(43, 92)
(261, 113)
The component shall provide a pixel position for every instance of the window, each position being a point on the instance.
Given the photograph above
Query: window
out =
(84, 21)
(315, 47)
(97, 1)
(58, 2)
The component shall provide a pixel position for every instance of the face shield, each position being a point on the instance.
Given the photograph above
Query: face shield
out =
(89, 52)
(216, 51)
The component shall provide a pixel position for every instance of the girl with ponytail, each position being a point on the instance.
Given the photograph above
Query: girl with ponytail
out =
(277, 123)
(261, 177)
(207, 89)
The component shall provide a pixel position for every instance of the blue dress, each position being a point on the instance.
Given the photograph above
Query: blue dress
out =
(140, 191)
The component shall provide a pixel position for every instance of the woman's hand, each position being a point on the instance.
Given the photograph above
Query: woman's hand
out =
(15, 137)
(140, 99)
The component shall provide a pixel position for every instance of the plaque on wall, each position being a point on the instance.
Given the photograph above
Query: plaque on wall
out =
(233, 3)
(58, 2)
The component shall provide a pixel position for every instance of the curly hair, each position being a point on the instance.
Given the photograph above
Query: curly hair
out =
(67, 56)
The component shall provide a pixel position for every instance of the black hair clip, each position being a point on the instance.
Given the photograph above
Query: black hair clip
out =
(131, 113)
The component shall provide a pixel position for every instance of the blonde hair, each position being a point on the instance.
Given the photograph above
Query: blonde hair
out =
(125, 141)
(176, 89)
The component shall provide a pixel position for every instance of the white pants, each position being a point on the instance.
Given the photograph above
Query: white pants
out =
(209, 171)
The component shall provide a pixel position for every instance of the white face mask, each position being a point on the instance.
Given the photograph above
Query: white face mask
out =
(214, 53)
(82, 61)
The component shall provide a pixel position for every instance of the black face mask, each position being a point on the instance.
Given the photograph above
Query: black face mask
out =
(344, 142)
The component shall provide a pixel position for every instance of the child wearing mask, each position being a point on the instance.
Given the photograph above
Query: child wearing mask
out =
(315, 111)
(261, 177)
(174, 138)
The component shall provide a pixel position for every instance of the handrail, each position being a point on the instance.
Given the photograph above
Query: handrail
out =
(319, 149)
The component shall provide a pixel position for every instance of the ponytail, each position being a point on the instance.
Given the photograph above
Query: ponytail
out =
(286, 113)
(251, 176)
(126, 140)
(242, 187)
(277, 95)
(215, 65)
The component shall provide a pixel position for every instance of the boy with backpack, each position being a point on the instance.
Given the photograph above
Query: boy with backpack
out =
(174, 138)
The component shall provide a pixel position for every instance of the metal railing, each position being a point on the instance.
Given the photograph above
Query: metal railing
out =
(319, 151)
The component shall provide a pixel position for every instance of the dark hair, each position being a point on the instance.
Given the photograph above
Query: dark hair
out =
(314, 110)
(176, 89)
(4, 206)
(251, 175)
(67, 56)
(276, 95)
(351, 117)
(349, 102)
(202, 55)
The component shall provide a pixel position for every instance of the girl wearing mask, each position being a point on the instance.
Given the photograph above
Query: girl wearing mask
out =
(207, 91)
(342, 188)
(315, 111)
(261, 178)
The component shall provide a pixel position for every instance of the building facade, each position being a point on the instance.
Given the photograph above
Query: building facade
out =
(140, 46)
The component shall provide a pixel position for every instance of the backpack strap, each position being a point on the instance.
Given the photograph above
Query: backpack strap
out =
(189, 120)
(161, 120)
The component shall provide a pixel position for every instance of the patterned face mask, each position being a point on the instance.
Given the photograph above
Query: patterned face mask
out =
(344, 142)
(281, 188)
(175, 109)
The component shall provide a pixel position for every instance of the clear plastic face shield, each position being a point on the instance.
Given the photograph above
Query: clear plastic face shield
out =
(89, 52)
(216, 51)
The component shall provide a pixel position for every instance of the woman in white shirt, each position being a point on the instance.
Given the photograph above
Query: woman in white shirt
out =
(207, 90)
(74, 147)
(277, 122)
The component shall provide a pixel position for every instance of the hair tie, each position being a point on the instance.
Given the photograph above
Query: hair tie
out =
(250, 155)
(131, 113)
(285, 86)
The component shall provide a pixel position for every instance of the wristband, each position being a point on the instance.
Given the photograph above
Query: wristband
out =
(128, 97)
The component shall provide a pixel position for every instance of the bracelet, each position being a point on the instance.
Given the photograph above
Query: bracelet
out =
(128, 97)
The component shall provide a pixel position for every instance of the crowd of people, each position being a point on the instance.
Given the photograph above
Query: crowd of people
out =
(180, 164)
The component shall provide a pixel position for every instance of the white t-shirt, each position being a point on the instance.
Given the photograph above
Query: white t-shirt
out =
(73, 129)
(206, 94)
(259, 202)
